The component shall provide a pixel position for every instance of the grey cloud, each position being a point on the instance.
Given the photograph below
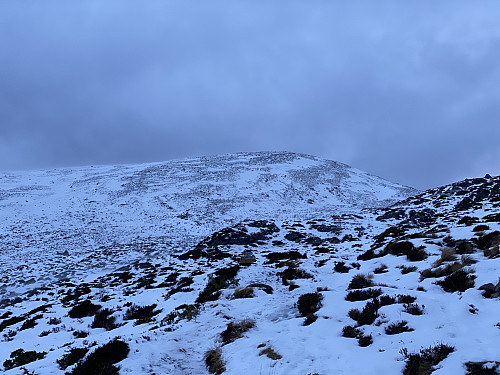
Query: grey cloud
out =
(405, 91)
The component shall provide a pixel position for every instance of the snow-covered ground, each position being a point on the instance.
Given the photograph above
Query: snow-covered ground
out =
(298, 247)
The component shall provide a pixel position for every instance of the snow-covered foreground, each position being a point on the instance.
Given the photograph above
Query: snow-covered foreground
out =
(284, 311)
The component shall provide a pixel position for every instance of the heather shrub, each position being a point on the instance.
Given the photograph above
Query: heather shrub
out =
(103, 359)
(423, 363)
(142, 314)
(364, 341)
(360, 281)
(458, 281)
(72, 357)
(247, 292)
(214, 361)
(399, 327)
(309, 303)
(234, 330)
(341, 267)
(83, 309)
(103, 319)
(19, 358)
(362, 294)
(413, 309)
(351, 332)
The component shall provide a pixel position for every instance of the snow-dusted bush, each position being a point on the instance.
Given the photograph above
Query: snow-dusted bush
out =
(309, 303)
(422, 363)
(214, 361)
(103, 359)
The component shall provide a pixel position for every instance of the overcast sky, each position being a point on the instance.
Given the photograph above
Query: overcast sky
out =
(407, 90)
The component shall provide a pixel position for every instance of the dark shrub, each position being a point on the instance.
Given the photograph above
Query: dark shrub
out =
(482, 368)
(220, 280)
(405, 269)
(416, 254)
(244, 292)
(413, 309)
(399, 248)
(405, 298)
(70, 358)
(366, 316)
(309, 303)
(422, 363)
(458, 281)
(103, 319)
(381, 269)
(362, 294)
(364, 341)
(292, 273)
(54, 321)
(310, 319)
(102, 360)
(287, 255)
(30, 323)
(386, 300)
(360, 281)
(480, 228)
(142, 314)
(234, 331)
(351, 332)
(10, 321)
(368, 254)
(19, 357)
(85, 308)
(341, 267)
(399, 327)
(464, 247)
(80, 334)
(214, 362)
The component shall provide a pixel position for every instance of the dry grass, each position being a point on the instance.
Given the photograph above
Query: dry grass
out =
(448, 254)
(244, 292)
(235, 330)
(214, 361)
(269, 352)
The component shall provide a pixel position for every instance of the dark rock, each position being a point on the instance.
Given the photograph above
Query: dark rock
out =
(294, 236)
(481, 194)
(327, 228)
(315, 241)
(468, 220)
(464, 247)
(397, 214)
(464, 204)
(488, 240)
(399, 248)
(492, 218)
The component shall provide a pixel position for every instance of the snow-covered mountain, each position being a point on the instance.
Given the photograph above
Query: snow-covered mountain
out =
(304, 272)
(166, 207)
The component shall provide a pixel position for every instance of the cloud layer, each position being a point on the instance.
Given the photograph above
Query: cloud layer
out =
(408, 91)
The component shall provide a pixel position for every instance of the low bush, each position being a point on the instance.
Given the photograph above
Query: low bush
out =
(405, 298)
(247, 292)
(72, 357)
(360, 281)
(214, 361)
(423, 363)
(381, 269)
(103, 359)
(362, 294)
(80, 334)
(83, 309)
(341, 267)
(458, 281)
(399, 327)
(235, 331)
(417, 254)
(413, 309)
(364, 341)
(103, 319)
(386, 300)
(19, 358)
(310, 319)
(269, 352)
(351, 332)
(220, 280)
(30, 323)
(482, 368)
(142, 314)
(10, 322)
(293, 273)
(309, 303)
(406, 269)
(54, 321)
(367, 315)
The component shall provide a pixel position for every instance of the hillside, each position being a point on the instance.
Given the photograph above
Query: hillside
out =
(344, 287)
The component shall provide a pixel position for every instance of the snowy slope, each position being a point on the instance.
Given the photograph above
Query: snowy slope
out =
(409, 252)
(100, 212)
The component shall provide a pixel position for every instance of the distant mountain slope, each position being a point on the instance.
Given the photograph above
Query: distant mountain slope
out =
(70, 209)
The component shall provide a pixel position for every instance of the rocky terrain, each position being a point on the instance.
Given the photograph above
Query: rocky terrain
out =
(343, 273)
